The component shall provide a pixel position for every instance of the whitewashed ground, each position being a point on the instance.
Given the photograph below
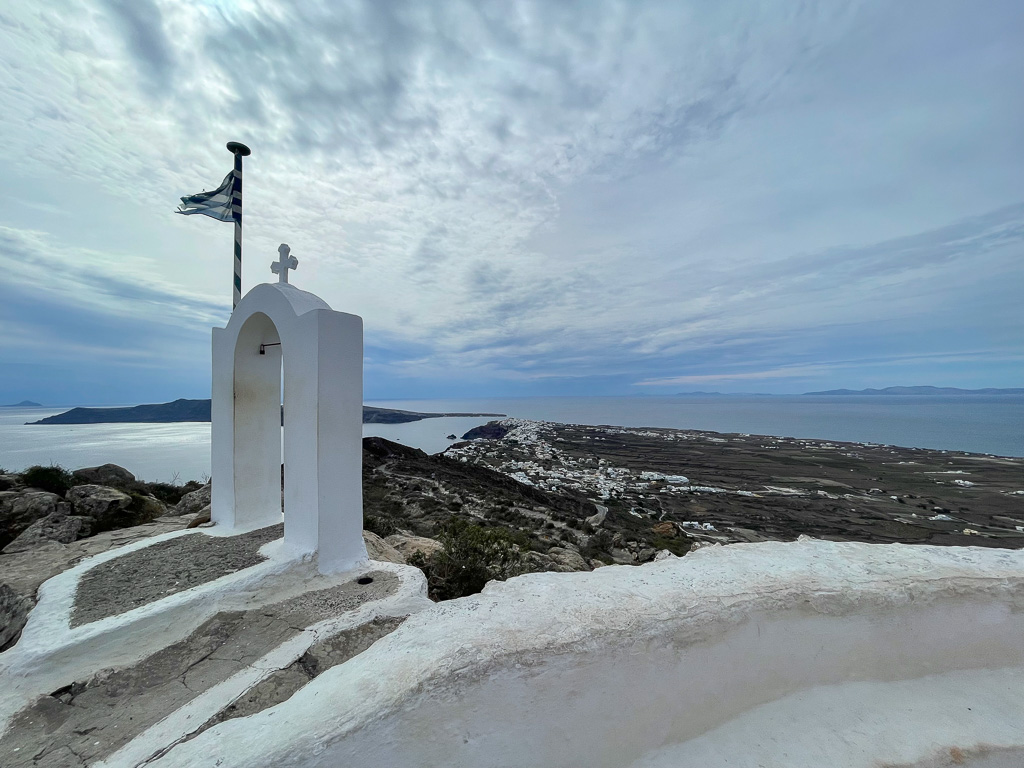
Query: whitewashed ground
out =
(766, 655)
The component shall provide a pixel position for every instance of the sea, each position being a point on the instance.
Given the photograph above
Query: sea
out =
(990, 424)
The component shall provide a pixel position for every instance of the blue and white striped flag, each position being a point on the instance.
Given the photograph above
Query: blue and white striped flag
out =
(215, 204)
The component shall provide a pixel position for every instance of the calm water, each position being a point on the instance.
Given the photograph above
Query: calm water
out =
(977, 424)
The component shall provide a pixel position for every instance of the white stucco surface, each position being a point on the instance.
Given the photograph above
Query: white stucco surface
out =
(772, 654)
(51, 653)
(322, 354)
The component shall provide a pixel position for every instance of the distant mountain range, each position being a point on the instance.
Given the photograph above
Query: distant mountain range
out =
(886, 391)
(697, 394)
(23, 404)
(922, 391)
(720, 394)
(199, 410)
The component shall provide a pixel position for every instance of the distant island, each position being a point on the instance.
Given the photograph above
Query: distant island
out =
(23, 404)
(199, 410)
(721, 394)
(922, 391)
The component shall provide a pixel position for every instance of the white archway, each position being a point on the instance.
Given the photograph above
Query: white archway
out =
(322, 354)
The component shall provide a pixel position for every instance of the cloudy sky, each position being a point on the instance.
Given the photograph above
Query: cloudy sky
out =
(520, 197)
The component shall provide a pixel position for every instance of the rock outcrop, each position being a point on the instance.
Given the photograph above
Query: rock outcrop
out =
(566, 560)
(193, 502)
(203, 517)
(19, 509)
(59, 527)
(407, 544)
(556, 559)
(106, 474)
(490, 431)
(102, 504)
(14, 610)
(379, 549)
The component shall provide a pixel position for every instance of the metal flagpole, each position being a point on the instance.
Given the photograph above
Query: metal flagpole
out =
(239, 151)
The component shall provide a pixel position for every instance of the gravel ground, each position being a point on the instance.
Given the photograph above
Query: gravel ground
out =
(162, 569)
(87, 720)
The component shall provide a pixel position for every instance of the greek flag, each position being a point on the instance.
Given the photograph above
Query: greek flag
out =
(215, 204)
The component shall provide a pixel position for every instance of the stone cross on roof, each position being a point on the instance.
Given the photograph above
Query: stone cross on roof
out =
(286, 262)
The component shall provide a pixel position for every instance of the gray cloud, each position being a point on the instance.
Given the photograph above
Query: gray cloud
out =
(601, 189)
(141, 25)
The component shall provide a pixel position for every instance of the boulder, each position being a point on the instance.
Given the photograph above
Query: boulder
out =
(59, 527)
(556, 559)
(646, 555)
(566, 560)
(201, 518)
(14, 610)
(107, 474)
(406, 544)
(146, 508)
(666, 529)
(8, 481)
(102, 504)
(378, 549)
(193, 502)
(535, 562)
(19, 509)
(622, 556)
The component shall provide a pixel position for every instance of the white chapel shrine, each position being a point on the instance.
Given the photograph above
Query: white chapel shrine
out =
(284, 340)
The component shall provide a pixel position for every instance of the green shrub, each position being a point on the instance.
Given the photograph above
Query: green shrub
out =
(678, 546)
(142, 509)
(471, 555)
(598, 547)
(379, 524)
(53, 478)
(168, 493)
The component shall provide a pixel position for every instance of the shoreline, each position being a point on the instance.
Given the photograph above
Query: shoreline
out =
(198, 411)
(161, 451)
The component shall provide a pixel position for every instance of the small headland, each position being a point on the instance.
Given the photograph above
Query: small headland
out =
(183, 410)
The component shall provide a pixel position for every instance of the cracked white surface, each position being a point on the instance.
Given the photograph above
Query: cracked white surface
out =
(51, 654)
(626, 664)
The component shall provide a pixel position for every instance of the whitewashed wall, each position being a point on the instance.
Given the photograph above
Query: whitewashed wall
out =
(322, 353)
(729, 656)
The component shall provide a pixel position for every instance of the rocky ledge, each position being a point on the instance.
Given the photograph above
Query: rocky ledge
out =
(51, 505)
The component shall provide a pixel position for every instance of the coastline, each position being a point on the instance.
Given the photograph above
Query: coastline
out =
(976, 424)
